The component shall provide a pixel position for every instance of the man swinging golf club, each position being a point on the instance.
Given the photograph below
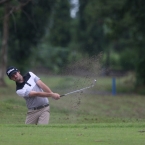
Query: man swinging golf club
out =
(36, 94)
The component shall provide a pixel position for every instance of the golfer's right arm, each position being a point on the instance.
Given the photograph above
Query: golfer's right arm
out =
(44, 94)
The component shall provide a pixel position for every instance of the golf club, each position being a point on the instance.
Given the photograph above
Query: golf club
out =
(80, 89)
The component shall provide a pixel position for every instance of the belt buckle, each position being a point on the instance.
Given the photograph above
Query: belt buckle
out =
(36, 108)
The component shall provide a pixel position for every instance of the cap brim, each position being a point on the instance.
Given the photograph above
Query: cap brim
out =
(12, 73)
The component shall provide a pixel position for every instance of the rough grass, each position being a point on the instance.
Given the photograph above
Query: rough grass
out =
(94, 105)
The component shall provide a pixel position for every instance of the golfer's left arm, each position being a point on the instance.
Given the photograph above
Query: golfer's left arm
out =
(44, 87)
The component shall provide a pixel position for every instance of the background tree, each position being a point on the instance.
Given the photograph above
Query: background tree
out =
(120, 26)
(60, 24)
(129, 26)
(114, 27)
(7, 7)
(27, 31)
(55, 46)
(4, 43)
(90, 29)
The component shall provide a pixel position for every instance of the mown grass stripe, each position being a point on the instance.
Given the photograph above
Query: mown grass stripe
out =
(99, 125)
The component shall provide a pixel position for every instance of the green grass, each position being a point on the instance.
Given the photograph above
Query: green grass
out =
(92, 117)
(74, 134)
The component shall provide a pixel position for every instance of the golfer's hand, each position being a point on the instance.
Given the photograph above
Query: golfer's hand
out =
(55, 96)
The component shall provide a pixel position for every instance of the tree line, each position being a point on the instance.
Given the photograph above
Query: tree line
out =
(42, 33)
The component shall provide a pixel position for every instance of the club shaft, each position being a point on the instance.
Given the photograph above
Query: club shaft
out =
(79, 90)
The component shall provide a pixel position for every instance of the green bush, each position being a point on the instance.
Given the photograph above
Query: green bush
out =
(127, 60)
(113, 61)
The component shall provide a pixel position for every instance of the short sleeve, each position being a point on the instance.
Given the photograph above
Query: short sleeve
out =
(36, 78)
(23, 93)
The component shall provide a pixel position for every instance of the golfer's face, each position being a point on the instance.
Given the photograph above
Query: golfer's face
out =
(17, 77)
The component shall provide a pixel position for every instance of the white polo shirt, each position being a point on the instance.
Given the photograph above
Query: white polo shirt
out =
(29, 84)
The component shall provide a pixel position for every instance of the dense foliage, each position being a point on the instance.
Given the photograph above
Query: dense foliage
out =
(27, 30)
(42, 33)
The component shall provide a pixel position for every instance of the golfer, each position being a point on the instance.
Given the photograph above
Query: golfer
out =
(36, 94)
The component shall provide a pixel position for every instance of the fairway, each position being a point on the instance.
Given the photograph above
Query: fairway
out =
(84, 134)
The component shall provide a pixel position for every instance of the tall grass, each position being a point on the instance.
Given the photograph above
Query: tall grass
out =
(94, 105)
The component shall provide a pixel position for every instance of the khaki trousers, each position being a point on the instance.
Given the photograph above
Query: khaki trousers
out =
(40, 116)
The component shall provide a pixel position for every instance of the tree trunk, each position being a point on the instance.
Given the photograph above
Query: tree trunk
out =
(108, 63)
(4, 45)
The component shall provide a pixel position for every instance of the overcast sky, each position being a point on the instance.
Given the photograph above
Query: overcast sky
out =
(75, 9)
